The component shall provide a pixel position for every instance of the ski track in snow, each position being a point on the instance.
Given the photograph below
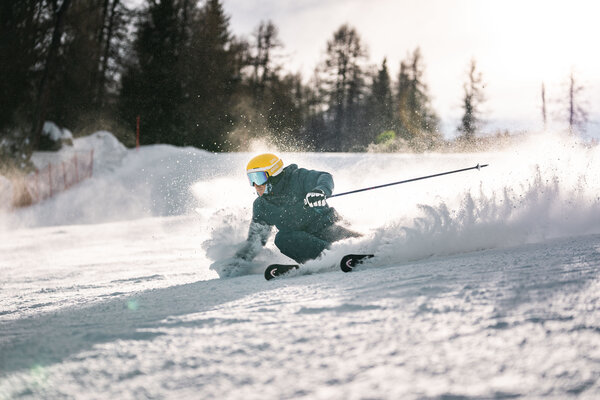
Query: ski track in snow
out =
(485, 284)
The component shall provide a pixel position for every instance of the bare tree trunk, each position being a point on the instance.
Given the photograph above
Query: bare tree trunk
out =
(186, 17)
(104, 68)
(571, 103)
(544, 119)
(572, 106)
(49, 70)
(97, 80)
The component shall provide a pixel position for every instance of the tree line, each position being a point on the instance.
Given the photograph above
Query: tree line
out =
(99, 64)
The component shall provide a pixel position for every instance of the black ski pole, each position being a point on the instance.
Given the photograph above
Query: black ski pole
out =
(478, 167)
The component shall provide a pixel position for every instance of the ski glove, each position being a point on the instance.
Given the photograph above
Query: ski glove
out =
(231, 267)
(315, 198)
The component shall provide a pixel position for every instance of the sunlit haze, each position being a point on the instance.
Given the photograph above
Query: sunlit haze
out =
(517, 46)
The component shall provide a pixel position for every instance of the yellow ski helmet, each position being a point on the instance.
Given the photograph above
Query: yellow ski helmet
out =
(263, 166)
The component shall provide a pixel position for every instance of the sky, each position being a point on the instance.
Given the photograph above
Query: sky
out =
(517, 44)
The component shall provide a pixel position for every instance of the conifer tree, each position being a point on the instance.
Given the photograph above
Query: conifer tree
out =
(287, 107)
(212, 74)
(403, 94)
(316, 128)
(472, 101)
(380, 106)
(262, 59)
(344, 82)
(184, 74)
(21, 33)
(152, 85)
(576, 113)
(20, 24)
(111, 36)
(419, 123)
(256, 103)
(59, 13)
(62, 62)
(89, 63)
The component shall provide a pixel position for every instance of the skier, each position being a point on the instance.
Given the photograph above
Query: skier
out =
(294, 200)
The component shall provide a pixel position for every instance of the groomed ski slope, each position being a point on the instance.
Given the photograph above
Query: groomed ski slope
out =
(486, 283)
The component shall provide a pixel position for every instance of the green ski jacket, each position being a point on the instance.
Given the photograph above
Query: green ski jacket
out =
(283, 205)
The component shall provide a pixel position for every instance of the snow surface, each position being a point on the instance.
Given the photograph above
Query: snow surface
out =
(485, 283)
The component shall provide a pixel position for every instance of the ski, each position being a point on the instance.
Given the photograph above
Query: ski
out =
(347, 264)
(350, 261)
(275, 270)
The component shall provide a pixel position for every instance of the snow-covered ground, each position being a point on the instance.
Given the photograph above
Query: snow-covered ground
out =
(485, 284)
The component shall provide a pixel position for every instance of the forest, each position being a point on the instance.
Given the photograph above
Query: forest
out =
(175, 65)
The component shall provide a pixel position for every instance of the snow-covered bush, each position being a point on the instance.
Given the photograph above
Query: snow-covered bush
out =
(54, 138)
(389, 142)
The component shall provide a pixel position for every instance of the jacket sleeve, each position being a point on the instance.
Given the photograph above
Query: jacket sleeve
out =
(258, 234)
(318, 180)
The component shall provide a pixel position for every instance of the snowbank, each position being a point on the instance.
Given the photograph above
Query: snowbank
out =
(126, 184)
(108, 152)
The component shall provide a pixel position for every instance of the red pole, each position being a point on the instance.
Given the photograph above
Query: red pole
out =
(137, 132)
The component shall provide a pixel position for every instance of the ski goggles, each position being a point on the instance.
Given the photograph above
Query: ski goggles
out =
(258, 178)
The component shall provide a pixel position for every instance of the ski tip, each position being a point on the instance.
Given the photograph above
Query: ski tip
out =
(270, 272)
(349, 261)
(275, 270)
